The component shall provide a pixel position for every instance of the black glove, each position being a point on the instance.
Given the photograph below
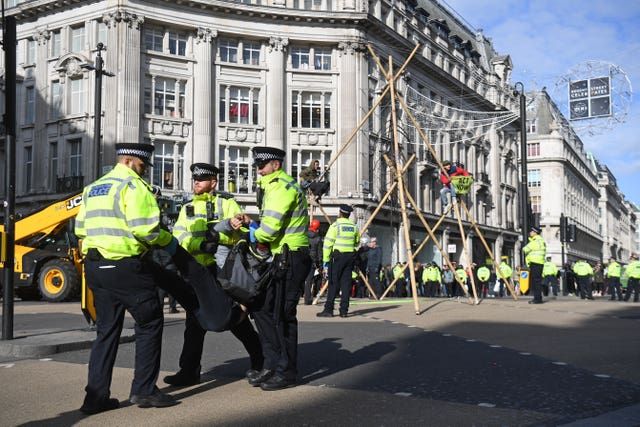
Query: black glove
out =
(210, 244)
(212, 235)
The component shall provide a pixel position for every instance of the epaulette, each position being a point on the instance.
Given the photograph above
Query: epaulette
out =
(224, 194)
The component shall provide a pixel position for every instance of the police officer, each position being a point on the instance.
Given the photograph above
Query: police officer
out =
(633, 273)
(584, 273)
(483, 274)
(506, 272)
(340, 243)
(284, 220)
(535, 252)
(118, 220)
(193, 229)
(432, 279)
(550, 277)
(614, 271)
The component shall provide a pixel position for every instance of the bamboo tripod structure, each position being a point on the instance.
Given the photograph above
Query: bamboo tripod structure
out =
(398, 171)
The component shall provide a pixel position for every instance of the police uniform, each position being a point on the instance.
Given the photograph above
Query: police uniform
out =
(584, 272)
(535, 252)
(614, 270)
(339, 251)
(284, 220)
(118, 220)
(550, 277)
(192, 229)
(633, 273)
(483, 274)
(507, 272)
(432, 279)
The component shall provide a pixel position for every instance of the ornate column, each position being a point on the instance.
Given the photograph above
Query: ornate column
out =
(122, 93)
(203, 113)
(276, 97)
(349, 165)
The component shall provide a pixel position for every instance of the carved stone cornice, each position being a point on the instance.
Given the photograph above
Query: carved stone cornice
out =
(206, 35)
(351, 47)
(278, 43)
(42, 35)
(111, 19)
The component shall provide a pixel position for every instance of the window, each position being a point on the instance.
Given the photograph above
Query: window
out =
(77, 97)
(178, 43)
(168, 162)
(251, 53)
(56, 43)
(300, 159)
(531, 126)
(533, 178)
(153, 39)
(53, 164)
(535, 204)
(311, 110)
(239, 105)
(236, 174)
(77, 39)
(75, 157)
(164, 97)
(56, 100)
(31, 51)
(300, 58)
(228, 51)
(322, 59)
(30, 111)
(28, 168)
(533, 149)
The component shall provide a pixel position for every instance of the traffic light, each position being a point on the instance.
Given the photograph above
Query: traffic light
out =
(571, 233)
(563, 228)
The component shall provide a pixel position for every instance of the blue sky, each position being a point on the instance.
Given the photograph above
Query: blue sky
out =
(547, 39)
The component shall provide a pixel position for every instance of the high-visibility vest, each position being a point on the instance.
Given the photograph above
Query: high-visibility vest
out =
(191, 226)
(342, 236)
(633, 269)
(284, 216)
(614, 269)
(119, 216)
(462, 275)
(506, 270)
(397, 272)
(484, 273)
(582, 269)
(536, 250)
(549, 269)
(431, 274)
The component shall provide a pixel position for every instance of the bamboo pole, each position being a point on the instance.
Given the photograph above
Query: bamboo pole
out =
(465, 248)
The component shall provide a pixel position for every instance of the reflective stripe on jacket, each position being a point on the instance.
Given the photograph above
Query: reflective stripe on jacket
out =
(536, 250)
(342, 236)
(633, 269)
(119, 216)
(614, 269)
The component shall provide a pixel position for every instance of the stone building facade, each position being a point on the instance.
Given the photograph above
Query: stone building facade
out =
(206, 81)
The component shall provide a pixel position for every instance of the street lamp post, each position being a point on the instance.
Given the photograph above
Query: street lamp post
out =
(524, 190)
(97, 109)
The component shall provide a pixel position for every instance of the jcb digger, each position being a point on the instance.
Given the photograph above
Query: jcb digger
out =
(48, 262)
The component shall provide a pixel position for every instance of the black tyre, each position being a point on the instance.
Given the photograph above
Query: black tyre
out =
(28, 294)
(58, 280)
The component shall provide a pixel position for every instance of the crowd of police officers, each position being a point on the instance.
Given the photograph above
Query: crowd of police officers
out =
(119, 222)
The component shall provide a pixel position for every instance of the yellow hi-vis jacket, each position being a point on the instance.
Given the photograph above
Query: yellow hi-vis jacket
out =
(342, 236)
(207, 208)
(535, 251)
(119, 216)
(582, 268)
(431, 274)
(614, 269)
(506, 271)
(633, 269)
(483, 273)
(284, 216)
(549, 269)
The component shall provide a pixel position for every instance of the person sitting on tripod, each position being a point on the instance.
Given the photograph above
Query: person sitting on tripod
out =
(448, 171)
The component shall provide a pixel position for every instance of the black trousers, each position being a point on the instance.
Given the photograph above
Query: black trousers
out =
(615, 288)
(633, 286)
(535, 279)
(117, 286)
(586, 288)
(340, 269)
(374, 281)
(277, 320)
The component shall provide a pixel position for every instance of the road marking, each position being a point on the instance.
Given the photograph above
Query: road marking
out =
(46, 359)
(559, 363)
(495, 346)
(403, 394)
(7, 365)
(602, 376)
(525, 354)
(487, 405)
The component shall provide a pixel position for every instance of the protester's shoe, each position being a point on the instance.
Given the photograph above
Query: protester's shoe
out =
(324, 314)
(277, 382)
(259, 377)
(182, 379)
(535, 301)
(343, 314)
(157, 399)
(251, 373)
(95, 408)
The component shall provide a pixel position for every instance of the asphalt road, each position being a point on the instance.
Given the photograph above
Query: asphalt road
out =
(502, 362)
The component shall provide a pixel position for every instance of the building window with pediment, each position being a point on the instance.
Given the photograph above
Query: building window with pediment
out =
(77, 96)
(311, 110)
(239, 105)
(168, 164)
(164, 96)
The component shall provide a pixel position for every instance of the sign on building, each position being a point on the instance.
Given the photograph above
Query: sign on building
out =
(589, 98)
